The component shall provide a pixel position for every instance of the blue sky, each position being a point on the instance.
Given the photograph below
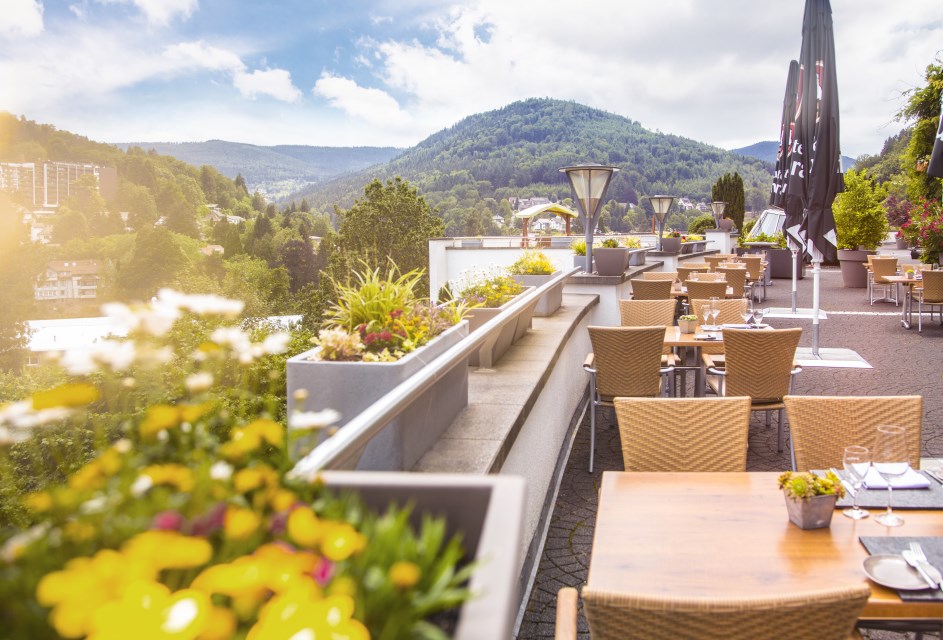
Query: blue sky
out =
(393, 72)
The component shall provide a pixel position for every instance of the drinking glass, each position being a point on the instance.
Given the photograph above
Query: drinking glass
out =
(715, 309)
(758, 316)
(890, 459)
(856, 462)
(706, 312)
(693, 276)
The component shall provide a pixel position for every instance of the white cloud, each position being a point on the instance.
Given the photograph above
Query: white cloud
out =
(200, 55)
(275, 83)
(372, 105)
(160, 12)
(21, 18)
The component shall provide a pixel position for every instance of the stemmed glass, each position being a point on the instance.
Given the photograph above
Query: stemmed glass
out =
(715, 309)
(758, 316)
(890, 460)
(856, 462)
(706, 312)
(746, 311)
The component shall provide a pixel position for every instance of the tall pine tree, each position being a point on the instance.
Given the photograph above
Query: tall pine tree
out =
(729, 189)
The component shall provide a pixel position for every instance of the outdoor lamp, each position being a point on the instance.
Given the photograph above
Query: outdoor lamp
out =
(718, 208)
(661, 204)
(589, 183)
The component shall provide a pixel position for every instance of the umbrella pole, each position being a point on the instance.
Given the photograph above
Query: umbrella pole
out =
(816, 272)
(794, 260)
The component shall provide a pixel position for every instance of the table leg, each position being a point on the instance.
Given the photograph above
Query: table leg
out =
(700, 375)
(905, 312)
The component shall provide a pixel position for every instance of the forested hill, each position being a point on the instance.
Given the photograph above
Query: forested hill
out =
(769, 149)
(275, 171)
(519, 149)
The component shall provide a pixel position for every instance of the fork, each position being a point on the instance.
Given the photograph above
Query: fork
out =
(920, 556)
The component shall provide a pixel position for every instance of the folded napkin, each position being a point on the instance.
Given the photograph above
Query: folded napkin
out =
(910, 480)
(737, 326)
(708, 336)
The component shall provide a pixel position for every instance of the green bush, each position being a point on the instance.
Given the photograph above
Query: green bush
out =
(701, 224)
(860, 220)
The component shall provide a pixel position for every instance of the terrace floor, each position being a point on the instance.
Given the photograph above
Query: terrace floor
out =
(904, 363)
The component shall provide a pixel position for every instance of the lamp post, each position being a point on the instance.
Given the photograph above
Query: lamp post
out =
(589, 183)
(661, 204)
(718, 208)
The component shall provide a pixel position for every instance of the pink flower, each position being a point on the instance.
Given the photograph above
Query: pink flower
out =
(168, 521)
(323, 571)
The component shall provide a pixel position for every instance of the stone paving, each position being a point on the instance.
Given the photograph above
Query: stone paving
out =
(904, 362)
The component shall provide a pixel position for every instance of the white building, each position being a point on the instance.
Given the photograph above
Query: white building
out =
(68, 280)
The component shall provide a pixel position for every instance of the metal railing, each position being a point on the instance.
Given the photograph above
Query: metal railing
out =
(337, 450)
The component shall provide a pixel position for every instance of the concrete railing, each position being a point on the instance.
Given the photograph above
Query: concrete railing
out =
(338, 450)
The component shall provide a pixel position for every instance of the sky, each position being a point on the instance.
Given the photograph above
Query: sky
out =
(392, 72)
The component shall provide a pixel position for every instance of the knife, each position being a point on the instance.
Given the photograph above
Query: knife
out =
(845, 483)
(932, 572)
(913, 562)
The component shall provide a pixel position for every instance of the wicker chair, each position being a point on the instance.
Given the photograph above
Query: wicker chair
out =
(736, 279)
(708, 276)
(824, 614)
(649, 313)
(706, 290)
(820, 444)
(660, 275)
(651, 289)
(717, 258)
(881, 267)
(756, 274)
(730, 313)
(931, 295)
(759, 364)
(625, 362)
(684, 272)
(683, 434)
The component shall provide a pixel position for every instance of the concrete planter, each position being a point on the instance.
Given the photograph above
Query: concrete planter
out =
(814, 513)
(686, 326)
(580, 261)
(550, 301)
(693, 247)
(610, 261)
(487, 511)
(637, 256)
(780, 264)
(510, 333)
(351, 387)
(853, 271)
(671, 245)
(901, 244)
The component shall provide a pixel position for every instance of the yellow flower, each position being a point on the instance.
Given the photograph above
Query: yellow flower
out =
(74, 394)
(148, 610)
(40, 502)
(343, 585)
(254, 477)
(88, 478)
(283, 500)
(168, 550)
(340, 541)
(300, 613)
(110, 461)
(174, 475)
(240, 523)
(284, 568)
(221, 625)
(193, 412)
(304, 527)
(158, 418)
(404, 574)
(78, 531)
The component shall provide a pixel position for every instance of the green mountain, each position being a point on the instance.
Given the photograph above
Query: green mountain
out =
(769, 149)
(274, 171)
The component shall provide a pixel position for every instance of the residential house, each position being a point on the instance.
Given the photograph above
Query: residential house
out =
(68, 280)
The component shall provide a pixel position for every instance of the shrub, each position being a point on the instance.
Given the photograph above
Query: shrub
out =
(860, 220)
(632, 242)
(701, 224)
(532, 263)
(609, 243)
(579, 247)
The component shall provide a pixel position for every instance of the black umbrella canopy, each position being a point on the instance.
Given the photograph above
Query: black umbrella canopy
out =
(815, 175)
(935, 168)
(778, 196)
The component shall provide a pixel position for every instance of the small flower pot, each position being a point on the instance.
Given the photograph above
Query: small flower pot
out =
(814, 513)
(687, 326)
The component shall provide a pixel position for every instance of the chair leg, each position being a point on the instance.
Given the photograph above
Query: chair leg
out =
(768, 414)
(779, 443)
(920, 316)
(592, 433)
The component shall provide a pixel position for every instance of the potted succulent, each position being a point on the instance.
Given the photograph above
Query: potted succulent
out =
(487, 294)
(610, 257)
(637, 252)
(671, 241)
(810, 499)
(377, 335)
(687, 324)
(861, 226)
(579, 254)
(533, 269)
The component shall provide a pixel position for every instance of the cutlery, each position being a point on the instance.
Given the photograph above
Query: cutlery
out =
(850, 489)
(912, 561)
(933, 473)
(921, 559)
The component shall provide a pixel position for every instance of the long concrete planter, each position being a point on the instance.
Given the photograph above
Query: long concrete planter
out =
(493, 349)
(351, 387)
(550, 301)
(693, 247)
(488, 512)
(637, 256)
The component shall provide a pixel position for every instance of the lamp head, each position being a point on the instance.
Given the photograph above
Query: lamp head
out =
(589, 183)
(718, 208)
(661, 205)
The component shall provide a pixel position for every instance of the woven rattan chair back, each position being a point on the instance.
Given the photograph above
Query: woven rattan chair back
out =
(715, 260)
(826, 614)
(759, 363)
(651, 289)
(706, 290)
(709, 276)
(933, 287)
(731, 310)
(754, 266)
(883, 266)
(685, 272)
(627, 360)
(822, 426)
(683, 434)
(736, 279)
(646, 313)
(660, 275)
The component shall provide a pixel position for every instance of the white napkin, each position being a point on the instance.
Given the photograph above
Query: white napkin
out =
(910, 480)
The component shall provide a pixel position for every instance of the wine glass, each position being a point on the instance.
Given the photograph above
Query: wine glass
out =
(758, 316)
(746, 312)
(706, 312)
(715, 309)
(890, 460)
(856, 462)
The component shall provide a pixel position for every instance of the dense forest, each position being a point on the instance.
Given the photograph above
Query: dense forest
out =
(466, 171)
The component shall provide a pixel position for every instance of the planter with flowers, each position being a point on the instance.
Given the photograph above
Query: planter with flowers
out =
(534, 269)
(810, 499)
(925, 230)
(671, 241)
(610, 257)
(485, 295)
(175, 513)
(377, 336)
(637, 252)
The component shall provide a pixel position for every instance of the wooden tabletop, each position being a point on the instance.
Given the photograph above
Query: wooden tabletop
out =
(903, 280)
(681, 291)
(674, 337)
(728, 535)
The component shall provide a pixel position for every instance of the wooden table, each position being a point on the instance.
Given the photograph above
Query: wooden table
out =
(680, 291)
(728, 535)
(674, 338)
(907, 307)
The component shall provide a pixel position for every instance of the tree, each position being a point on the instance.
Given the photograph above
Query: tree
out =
(156, 261)
(139, 203)
(860, 219)
(18, 267)
(69, 225)
(177, 212)
(729, 189)
(265, 291)
(923, 109)
(240, 183)
(297, 256)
